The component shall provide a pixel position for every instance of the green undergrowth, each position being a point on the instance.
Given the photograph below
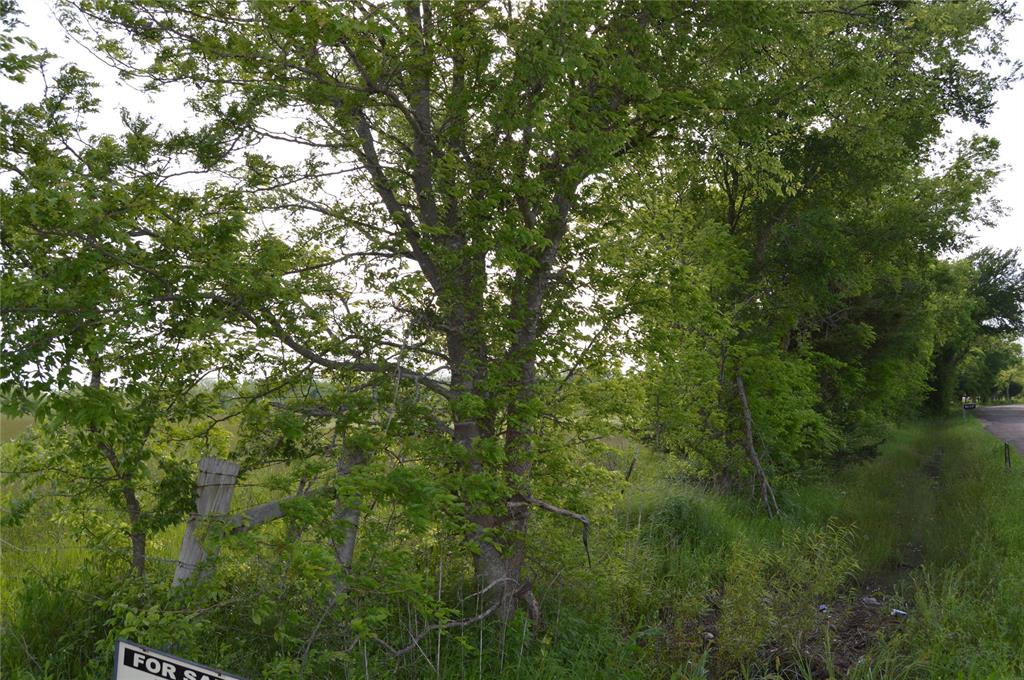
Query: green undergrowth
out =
(683, 583)
(968, 597)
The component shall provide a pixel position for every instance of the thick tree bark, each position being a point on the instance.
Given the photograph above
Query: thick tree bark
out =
(504, 558)
(499, 533)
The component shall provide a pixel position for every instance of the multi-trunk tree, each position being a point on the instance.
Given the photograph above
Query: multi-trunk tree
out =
(454, 152)
(445, 208)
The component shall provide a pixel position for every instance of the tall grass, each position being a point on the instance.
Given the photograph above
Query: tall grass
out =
(968, 599)
(940, 523)
(685, 583)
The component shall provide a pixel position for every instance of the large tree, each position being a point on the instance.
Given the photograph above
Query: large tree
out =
(984, 295)
(440, 230)
(797, 252)
(454, 147)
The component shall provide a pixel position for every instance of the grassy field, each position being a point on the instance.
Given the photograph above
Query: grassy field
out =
(12, 427)
(906, 565)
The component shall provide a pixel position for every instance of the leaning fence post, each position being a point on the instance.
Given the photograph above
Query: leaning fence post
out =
(1006, 454)
(214, 488)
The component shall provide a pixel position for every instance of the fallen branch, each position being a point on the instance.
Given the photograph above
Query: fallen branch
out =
(461, 623)
(554, 509)
(632, 464)
(767, 494)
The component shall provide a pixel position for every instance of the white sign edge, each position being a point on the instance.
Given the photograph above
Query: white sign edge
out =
(221, 675)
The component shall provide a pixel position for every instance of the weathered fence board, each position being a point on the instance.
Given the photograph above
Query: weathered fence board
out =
(215, 486)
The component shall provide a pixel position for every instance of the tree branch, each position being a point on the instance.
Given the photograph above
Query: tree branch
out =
(554, 509)
(461, 623)
(359, 366)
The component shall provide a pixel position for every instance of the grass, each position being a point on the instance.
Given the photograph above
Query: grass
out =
(12, 427)
(940, 523)
(969, 596)
(685, 583)
(889, 499)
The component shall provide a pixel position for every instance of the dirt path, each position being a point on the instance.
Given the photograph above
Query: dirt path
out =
(1005, 422)
(870, 615)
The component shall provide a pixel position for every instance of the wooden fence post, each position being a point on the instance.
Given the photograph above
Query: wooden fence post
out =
(214, 488)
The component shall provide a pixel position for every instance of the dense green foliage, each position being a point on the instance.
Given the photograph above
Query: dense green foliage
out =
(673, 562)
(457, 283)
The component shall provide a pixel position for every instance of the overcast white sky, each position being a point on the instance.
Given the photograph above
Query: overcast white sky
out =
(1007, 123)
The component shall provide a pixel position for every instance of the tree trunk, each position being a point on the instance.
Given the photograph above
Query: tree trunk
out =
(344, 552)
(498, 532)
(499, 563)
(767, 494)
(499, 538)
(133, 509)
(137, 536)
(502, 557)
(138, 539)
(943, 380)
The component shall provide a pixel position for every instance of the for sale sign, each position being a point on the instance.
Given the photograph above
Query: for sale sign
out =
(135, 662)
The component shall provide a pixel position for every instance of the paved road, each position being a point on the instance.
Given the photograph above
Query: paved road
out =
(1005, 422)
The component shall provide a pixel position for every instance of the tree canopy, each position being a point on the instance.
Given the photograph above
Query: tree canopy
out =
(417, 259)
